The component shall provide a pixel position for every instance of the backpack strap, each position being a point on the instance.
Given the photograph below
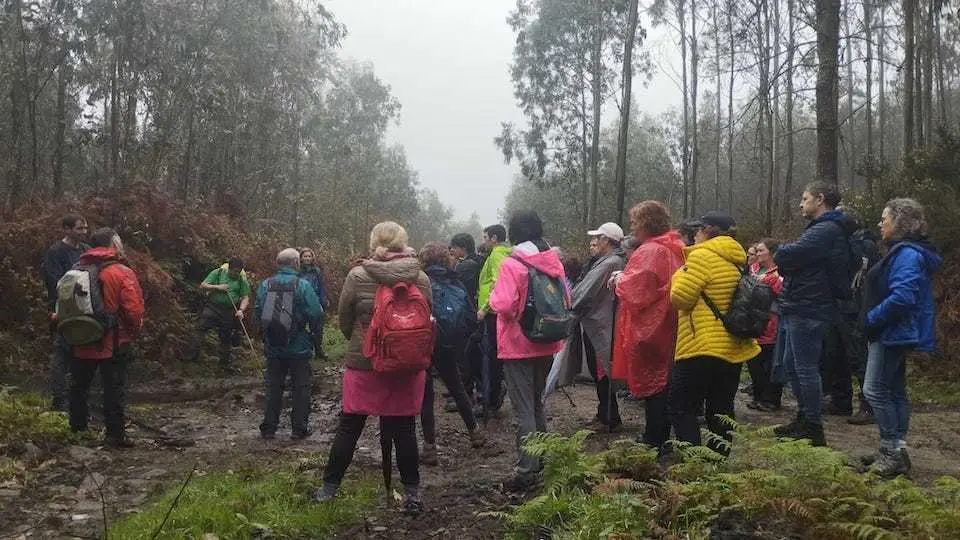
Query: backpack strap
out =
(709, 301)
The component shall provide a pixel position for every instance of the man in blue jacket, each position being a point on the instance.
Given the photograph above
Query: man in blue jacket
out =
(816, 272)
(287, 343)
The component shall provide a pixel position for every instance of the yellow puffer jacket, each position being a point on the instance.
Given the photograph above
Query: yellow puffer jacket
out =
(711, 267)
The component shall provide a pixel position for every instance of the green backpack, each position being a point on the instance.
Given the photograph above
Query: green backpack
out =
(547, 314)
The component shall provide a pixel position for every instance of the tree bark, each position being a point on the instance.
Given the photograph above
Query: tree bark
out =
(881, 84)
(624, 135)
(732, 51)
(788, 112)
(909, 44)
(943, 98)
(115, 116)
(18, 91)
(694, 99)
(59, 140)
(851, 132)
(685, 144)
(928, 54)
(868, 109)
(828, 42)
(719, 112)
(596, 88)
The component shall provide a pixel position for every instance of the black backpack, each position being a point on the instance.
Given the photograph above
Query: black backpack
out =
(277, 318)
(750, 306)
(864, 253)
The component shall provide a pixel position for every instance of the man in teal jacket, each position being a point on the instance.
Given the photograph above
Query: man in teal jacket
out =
(294, 356)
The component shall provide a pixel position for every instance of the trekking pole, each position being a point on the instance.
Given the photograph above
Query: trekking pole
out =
(245, 333)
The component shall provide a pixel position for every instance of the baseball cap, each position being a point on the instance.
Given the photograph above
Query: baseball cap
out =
(610, 230)
(715, 218)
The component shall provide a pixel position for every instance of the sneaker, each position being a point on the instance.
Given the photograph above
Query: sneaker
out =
(428, 456)
(864, 416)
(299, 435)
(833, 408)
(890, 463)
(521, 483)
(412, 502)
(477, 439)
(791, 430)
(327, 492)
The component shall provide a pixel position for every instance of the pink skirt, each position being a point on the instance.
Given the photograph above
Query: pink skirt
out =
(380, 394)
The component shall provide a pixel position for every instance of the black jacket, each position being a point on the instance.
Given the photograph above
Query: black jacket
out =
(56, 261)
(468, 271)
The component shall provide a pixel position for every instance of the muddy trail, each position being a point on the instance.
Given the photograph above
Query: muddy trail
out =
(211, 424)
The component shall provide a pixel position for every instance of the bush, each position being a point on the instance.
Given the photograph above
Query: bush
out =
(27, 418)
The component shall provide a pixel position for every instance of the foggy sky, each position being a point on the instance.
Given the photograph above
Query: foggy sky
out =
(447, 62)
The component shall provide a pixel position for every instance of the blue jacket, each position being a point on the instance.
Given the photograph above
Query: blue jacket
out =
(306, 310)
(816, 268)
(314, 276)
(900, 297)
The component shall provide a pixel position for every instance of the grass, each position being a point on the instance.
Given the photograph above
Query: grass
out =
(26, 417)
(925, 387)
(250, 504)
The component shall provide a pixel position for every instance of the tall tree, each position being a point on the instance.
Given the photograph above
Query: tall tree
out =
(828, 44)
(627, 84)
(909, 75)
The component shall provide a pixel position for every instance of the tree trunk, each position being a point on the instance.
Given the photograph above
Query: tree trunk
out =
(918, 95)
(623, 138)
(909, 44)
(694, 99)
(186, 172)
(115, 116)
(851, 132)
(788, 112)
(868, 109)
(766, 116)
(943, 98)
(18, 93)
(685, 144)
(881, 84)
(719, 112)
(774, 121)
(59, 141)
(732, 51)
(828, 43)
(928, 54)
(596, 88)
(295, 181)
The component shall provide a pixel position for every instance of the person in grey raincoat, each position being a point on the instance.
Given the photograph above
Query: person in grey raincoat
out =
(593, 304)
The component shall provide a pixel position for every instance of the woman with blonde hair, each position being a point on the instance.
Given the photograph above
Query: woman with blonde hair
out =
(396, 398)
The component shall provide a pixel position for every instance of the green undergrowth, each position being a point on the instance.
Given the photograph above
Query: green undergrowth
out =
(26, 417)
(250, 504)
(765, 489)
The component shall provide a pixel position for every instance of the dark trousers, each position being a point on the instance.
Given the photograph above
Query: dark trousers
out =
(316, 334)
(401, 429)
(761, 368)
(113, 375)
(59, 373)
(657, 429)
(608, 411)
(446, 369)
(223, 321)
(490, 387)
(471, 363)
(278, 367)
(844, 356)
(694, 380)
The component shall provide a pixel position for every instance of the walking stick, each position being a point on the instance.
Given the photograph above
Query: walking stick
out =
(245, 333)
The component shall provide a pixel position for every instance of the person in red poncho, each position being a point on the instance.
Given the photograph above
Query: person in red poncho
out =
(646, 325)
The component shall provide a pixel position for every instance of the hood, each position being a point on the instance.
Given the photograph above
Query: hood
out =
(394, 269)
(724, 246)
(439, 273)
(501, 249)
(99, 255)
(547, 262)
(670, 240)
(931, 258)
(839, 216)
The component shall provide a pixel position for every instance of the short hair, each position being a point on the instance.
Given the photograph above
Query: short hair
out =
(909, 219)
(464, 241)
(771, 244)
(434, 253)
(829, 191)
(236, 263)
(498, 231)
(524, 226)
(288, 257)
(651, 216)
(70, 221)
(102, 237)
(388, 236)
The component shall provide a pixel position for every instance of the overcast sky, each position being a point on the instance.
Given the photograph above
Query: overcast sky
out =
(447, 62)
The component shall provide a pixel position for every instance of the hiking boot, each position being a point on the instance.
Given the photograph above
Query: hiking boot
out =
(412, 502)
(327, 492)
(300, 434)
(833, 408)
(864, 416)
(814, 433)
(477, 439)
(870, 459)
(791, 430)
(428, 456)
(521, 483)
(891, 463)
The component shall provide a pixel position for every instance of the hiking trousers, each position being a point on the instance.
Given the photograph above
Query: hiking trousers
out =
(401, 429)
(113, 375)
(526, 380)
(224, 322)
(278, 367)
(59, 373)
(699, 379)
(608, 410)
(448, 372)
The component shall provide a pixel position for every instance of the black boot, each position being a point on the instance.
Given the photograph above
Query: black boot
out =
(791, 430)
(864, 416)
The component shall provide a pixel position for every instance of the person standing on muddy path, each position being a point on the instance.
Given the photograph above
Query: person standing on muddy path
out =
(395, 398)
(899, 317)
(123, 301)
(593, 305)
(56, 261)
(468, 266)
(226, 304)
(312, 273)
(287, 343)
(525, 363)
(494, 238)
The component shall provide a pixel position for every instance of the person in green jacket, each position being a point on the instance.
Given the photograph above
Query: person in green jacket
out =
(228, 298)
(495, 239)
(293, 354)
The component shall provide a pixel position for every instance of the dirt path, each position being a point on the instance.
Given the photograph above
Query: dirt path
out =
(219, 417)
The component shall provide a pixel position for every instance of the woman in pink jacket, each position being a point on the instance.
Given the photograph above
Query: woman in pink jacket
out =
(525, 364)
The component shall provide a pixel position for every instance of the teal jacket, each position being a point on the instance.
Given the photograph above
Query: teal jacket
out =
(306, 310)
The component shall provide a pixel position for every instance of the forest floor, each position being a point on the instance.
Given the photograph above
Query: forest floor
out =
(211, 423)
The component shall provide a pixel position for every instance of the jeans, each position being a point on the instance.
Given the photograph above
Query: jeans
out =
(761, 368)
(886, 391)
(526, 381)
(801, 342)
(274, 377)
(399, 429)
(113, 376)
(844, 356)
(608, 410)
(447, 370)
(694, 380)
(223, 320)
(59, 373)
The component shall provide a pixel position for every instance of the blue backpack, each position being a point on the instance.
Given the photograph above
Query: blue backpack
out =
(455, 319)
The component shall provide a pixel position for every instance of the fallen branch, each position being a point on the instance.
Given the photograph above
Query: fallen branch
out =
(173, 505)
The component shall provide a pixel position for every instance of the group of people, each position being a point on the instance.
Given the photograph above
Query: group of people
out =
(648, 309)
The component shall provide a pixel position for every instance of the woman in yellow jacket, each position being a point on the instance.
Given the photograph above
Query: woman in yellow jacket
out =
(708, 358)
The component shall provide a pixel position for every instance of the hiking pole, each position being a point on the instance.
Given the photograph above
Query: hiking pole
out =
(245, 333)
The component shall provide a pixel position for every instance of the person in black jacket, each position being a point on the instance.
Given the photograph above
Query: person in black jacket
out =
(468, 265)
(816, 272)
(56, 261)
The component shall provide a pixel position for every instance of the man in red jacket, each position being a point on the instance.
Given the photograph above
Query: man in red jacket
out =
(122, 298)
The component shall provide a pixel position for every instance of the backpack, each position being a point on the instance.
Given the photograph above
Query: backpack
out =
(277, 317)
(400, 336)
(451, 310)
(548, 311)
(863, 255)
(81, 317)
(750, 306)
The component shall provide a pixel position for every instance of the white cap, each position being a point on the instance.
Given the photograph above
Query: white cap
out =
(610, 230)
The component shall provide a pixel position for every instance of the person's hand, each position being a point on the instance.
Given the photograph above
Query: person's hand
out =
(614, 280)
(239, 314)
(481, 314)
(224, 287)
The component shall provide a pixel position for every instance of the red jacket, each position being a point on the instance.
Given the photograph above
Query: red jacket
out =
(122, 296)
(646, 328)
(772, 278)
